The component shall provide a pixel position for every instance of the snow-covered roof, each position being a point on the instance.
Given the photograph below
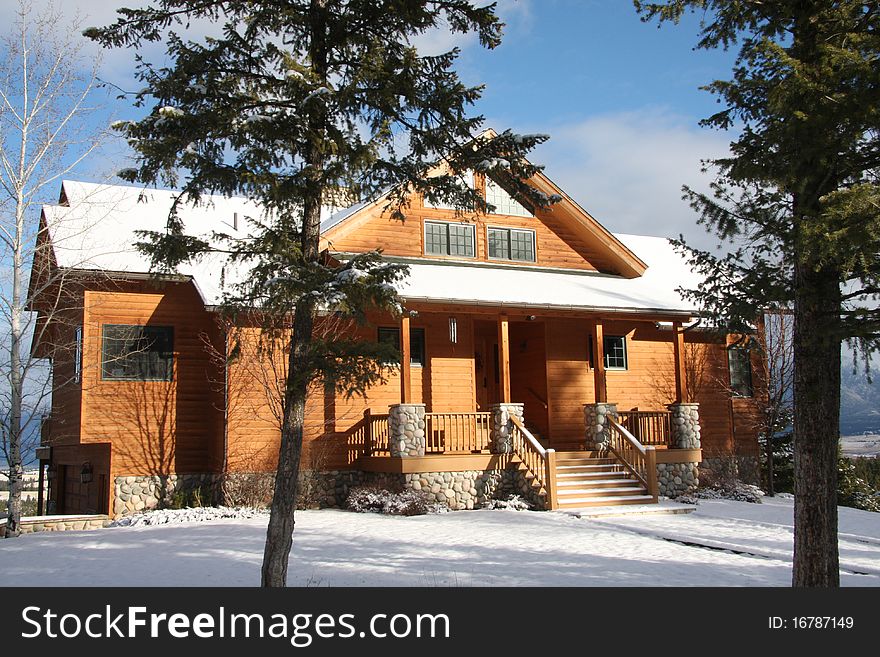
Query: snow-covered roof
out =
(95, 229)
(529, 287)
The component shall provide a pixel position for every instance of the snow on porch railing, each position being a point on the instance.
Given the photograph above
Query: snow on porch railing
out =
(457, 433)
(648, 427)
(539, 462)
(639, 459)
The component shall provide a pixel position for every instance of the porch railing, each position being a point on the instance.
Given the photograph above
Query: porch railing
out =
(457, 433)
(368, 436)
(538, 461)
(648, 427)
(639, 459)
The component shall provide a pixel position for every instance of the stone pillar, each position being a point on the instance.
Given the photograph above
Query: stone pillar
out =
(406, 430)
(685, 426)
(502, 426)
(596, 424)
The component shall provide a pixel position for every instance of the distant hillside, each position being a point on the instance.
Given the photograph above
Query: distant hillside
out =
(859, 400)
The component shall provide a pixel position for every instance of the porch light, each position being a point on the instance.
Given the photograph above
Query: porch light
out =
(453, 330)
(85, 475)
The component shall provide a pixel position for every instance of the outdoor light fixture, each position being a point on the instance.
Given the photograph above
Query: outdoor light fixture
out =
(85, 475)
(453, 330)
(531, 318)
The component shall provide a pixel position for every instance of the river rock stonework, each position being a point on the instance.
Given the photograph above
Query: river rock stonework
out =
(502, 426)
(685, 425)
(468, 489)
(677, 479)
(406, 430)
(142, 493)
(596, 427)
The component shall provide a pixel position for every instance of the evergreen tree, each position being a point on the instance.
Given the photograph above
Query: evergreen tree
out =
(799, 199)
(291, 101)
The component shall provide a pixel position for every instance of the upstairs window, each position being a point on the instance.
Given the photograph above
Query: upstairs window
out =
(466, 179)
(137, 353)
(391, 335)
(449, 239)
(512, 244)
(739, 363)
(504, 203)
(614, 347)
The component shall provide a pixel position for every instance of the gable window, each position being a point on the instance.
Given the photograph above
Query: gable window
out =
(511, 244)
(614, 347)
(504, 203)
(739, 363)
(466, 179)
(449, 239)
(391, 335)
(137, 353)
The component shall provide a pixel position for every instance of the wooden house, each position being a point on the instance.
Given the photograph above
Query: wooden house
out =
(541, 354)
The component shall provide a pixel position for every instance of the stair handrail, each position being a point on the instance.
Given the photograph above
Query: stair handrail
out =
(639, 459)
(547, 455)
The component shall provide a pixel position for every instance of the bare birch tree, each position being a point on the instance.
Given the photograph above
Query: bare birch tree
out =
(47, 128)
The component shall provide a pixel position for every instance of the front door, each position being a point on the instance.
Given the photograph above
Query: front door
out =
(486, 364)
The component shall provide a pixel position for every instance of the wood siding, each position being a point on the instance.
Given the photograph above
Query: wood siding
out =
(557, 243)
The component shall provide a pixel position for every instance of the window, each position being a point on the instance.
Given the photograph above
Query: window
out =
(416, 343)
(614, 347)
(467, 179)
(446, 238)
(739, 363)
(504, 203)
(511, 244)
(137, 353)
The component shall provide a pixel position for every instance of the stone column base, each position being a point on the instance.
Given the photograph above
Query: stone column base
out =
(596, 434)
(685, 425)
(406, 430)
(502, 426)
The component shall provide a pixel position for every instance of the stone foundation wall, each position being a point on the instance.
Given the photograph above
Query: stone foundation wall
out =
(140, 493)
(745, 468)
(468, 489)
(676, 479)
(62, 524)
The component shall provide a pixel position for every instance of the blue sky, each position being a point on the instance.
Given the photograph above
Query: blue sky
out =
(618, 97)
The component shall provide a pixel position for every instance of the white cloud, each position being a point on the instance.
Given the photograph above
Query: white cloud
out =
(627, 169)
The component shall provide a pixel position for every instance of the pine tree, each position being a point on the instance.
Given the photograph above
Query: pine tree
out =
(799, 199)
(294, 100)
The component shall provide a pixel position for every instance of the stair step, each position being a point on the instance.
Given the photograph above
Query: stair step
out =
(606, 501)
(602, 492)
(590, 468)
(591, 474)
(595, 483)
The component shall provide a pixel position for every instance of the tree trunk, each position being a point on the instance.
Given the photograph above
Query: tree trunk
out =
(279, 536)
(816, 426)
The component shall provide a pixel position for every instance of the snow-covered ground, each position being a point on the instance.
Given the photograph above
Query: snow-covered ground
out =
(723, 543)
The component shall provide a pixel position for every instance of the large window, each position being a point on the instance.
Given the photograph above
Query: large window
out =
(614, 347)
(137, 353)
(391, 335)
(449, 239)
(739, 363)
(511, 244)
(504, 203)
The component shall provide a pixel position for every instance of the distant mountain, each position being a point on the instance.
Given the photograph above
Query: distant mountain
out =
(859, 399)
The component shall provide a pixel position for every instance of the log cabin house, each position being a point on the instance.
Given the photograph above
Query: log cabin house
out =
(542, 354)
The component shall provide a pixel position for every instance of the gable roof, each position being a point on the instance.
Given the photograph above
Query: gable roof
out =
(95, 227)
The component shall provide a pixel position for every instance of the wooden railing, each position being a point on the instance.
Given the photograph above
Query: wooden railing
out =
(368, 436)
(648, 427)
(539, 461)
(640, 460)
(457, 433)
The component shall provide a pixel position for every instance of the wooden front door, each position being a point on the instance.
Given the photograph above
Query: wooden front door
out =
(486, 364)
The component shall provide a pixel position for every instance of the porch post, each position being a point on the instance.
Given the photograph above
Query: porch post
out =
(502, 426)
(680, 365)
(405, 372)
(504, 359)
(597, 433)
(406, 430)
(601, 389)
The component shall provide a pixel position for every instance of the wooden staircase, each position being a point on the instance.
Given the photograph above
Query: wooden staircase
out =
(585, 479)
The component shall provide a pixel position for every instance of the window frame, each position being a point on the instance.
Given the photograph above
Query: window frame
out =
(606, 352)
(528, 213)
(510, 231)
(471, 228)
(168, 355)
(749, 380)
(415, 359)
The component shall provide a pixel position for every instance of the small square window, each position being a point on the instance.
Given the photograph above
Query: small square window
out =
(137, 353)
(391, 335)
(614, 347)
(739, 362)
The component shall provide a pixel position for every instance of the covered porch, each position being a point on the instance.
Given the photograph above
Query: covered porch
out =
(521, 409)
